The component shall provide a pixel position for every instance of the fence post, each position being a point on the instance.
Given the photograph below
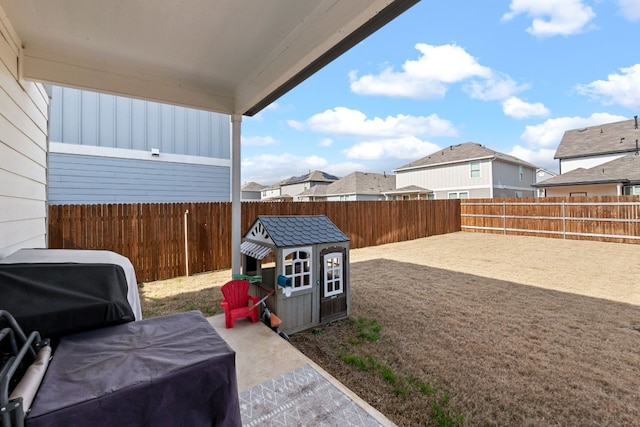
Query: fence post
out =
(186, 243)
(504, 217)
(564, 224)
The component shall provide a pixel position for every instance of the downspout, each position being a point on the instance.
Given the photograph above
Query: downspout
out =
(236, 207)
(491, 180)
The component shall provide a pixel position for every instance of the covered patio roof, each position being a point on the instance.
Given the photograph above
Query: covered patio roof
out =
(228, 56)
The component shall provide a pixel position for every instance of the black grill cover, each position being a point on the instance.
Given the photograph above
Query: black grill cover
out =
(165, 371)
(59, 299)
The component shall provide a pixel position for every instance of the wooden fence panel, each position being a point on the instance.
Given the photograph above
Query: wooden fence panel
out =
(605, 218)
(152, 235)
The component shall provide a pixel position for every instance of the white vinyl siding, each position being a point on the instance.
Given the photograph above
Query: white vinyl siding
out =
(451, 176)
(567, 165)
(23, 153)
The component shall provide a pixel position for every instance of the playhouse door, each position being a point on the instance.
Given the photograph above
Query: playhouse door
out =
(333, 296)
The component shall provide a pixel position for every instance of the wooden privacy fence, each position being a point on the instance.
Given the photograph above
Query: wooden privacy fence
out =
(157, 237)
(605, 218)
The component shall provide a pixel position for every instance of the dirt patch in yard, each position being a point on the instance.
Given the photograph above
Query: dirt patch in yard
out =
(477, 329)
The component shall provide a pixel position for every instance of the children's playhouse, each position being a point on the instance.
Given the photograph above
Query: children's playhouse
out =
(308, 269)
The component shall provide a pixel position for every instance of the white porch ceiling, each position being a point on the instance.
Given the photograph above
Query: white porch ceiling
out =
(229, 56)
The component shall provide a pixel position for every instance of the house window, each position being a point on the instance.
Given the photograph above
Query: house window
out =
(297, 267)
(459, 195)
(519, 194)
(431, 196)
(475, 169)
(344, 198)
(520, 172)
(542, 192)
(578, 194)
(631, 190)
(406, 197)
(332, 274)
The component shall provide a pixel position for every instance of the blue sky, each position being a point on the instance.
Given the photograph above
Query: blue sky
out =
(510, 75)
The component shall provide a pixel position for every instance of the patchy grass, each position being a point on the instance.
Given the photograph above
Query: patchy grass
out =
(358, 343)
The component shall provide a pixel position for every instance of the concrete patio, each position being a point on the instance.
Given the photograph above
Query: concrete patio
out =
(262, 355)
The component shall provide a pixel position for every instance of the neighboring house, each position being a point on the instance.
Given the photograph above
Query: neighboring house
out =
(596, 161)
(360, 186)
(314, 194)
(617, 177)
(252, 191)
(542, 175)
(110, 149)
(296, 185)
(594, 145)
(469, 170)
(292, 187)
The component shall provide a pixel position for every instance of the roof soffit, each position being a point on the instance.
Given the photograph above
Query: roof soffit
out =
(210, 55)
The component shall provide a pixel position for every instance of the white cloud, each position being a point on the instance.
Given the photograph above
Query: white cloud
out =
(268, 169)
(424, 78)
(542, 157)
(398, 148)
(326, 142)
(549, 133)
(496, 88)
(630, 9)
(344, 168)
(540, 142)
(519, 109)
(258, 141)
(552, 17)
(622, 89)
(347, 122)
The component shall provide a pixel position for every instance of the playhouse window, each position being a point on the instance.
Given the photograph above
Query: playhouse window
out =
(297, 266)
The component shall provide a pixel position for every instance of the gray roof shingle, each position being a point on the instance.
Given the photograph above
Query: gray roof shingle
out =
(618, 137)
(314, 176)
(624, 170)
(461, 153)
(300, 230)
(253, 186)
(362, 183)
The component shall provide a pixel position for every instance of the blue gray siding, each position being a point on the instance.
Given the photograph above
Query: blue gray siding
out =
(101, 120)
(75, 179)
(101, 151)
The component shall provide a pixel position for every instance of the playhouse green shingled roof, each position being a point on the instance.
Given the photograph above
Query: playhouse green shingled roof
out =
(299, 230)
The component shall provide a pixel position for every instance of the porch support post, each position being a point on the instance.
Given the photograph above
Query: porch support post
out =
(236, 207)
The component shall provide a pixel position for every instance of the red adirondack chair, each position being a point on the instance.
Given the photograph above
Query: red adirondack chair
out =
(237, 302)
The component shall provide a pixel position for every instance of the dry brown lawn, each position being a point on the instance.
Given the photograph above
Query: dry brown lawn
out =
(477, 329)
